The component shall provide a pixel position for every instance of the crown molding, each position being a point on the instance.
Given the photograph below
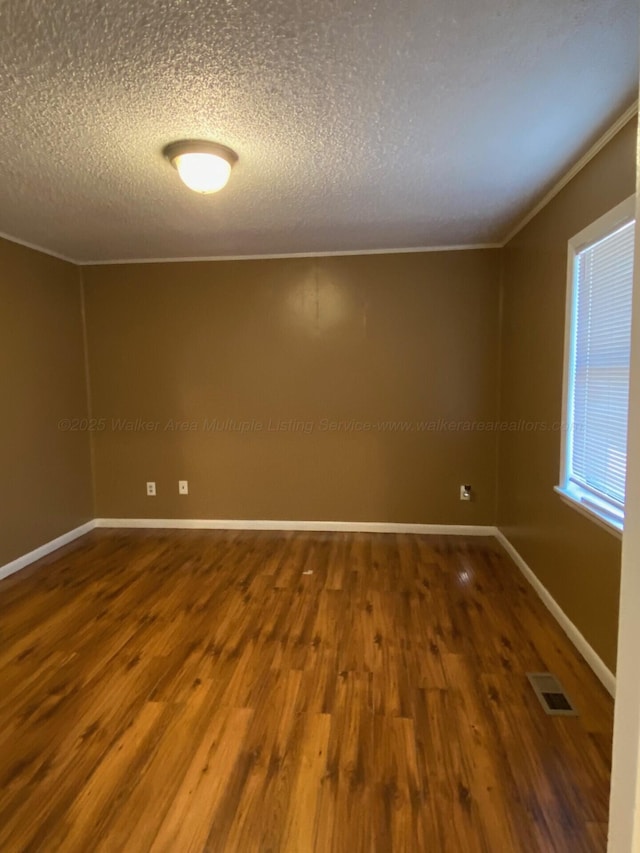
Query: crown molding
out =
(577, 167)
(293, 255)
(10, 239)
(606, 137)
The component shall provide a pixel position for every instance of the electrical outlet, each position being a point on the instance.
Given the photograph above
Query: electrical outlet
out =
(465, 493)
(151, 490)
(183, 487)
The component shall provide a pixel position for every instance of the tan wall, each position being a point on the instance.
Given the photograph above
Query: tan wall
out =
(370, 339)
(576, 560)
(46, 472)
(373, 339)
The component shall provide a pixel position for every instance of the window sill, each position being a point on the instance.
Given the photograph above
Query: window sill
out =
(611, 525)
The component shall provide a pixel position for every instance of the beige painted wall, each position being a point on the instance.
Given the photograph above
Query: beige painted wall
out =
(46, 472)
(373, 339)
(576, 560)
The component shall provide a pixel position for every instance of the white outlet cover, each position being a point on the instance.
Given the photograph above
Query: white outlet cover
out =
(183, 487)
(151, 489)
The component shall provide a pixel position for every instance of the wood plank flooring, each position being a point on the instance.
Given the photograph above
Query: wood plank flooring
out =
(185, 691)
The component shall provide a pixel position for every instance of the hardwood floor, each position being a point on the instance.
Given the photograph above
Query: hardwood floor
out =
(300, 692)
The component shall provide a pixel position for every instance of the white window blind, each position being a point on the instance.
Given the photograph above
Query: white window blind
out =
(599, 380)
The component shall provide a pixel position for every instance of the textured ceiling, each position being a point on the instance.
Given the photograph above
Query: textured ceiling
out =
(359, 123)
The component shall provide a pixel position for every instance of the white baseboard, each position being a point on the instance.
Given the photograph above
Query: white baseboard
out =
(47, 548)
(588, 653)
(595, 662)
(329, 526)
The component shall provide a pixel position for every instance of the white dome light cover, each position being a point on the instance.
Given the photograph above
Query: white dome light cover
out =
(203, 166)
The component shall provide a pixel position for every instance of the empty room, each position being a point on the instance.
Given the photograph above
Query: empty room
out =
(320, 434)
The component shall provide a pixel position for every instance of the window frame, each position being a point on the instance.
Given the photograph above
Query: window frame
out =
(597, 510)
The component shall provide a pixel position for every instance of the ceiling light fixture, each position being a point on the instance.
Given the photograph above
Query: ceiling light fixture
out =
(203, 166)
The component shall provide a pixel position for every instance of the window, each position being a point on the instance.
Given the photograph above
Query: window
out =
(597, 351)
